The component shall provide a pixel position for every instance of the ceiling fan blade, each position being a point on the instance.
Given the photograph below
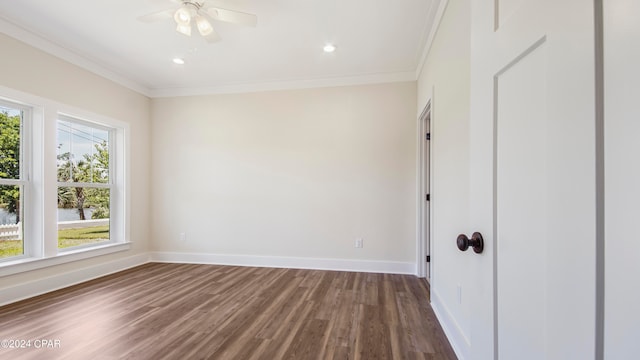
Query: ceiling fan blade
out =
(231, 16)
(157, 16)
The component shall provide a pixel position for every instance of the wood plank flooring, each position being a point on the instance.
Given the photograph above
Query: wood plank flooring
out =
(186, 311)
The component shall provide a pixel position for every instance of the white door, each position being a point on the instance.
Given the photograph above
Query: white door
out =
(533, 179)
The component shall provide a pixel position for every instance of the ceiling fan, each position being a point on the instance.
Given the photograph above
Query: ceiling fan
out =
(200, 12)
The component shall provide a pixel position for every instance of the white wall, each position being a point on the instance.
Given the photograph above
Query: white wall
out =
(32, 71)
(297, 174)
(622, 178)
(445, 79)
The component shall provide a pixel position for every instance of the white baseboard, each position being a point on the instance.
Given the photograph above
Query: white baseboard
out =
(44, 285)
(388, 267)
(452, 330)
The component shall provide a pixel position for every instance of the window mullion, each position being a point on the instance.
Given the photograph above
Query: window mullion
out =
(12, 182)
(85, 185)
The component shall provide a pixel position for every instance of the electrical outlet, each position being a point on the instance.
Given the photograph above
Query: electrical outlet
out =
(183, 236)
(459, 294)
(359, 243)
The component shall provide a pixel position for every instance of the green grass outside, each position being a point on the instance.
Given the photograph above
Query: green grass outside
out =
(75, 237)
(66, 238)
(10, 248)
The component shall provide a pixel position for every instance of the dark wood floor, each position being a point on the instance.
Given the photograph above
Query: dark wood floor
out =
(184, 311)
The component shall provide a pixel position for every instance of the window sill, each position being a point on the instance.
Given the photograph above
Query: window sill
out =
(29, 264)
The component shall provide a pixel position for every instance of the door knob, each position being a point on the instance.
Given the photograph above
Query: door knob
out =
(476, 242)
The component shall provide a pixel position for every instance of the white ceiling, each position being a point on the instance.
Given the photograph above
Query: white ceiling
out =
(377, 40)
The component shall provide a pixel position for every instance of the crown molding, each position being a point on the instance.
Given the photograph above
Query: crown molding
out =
(439, 6)
(285, 85)
(39, 42)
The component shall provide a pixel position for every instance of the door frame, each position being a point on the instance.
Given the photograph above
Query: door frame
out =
(424, 181)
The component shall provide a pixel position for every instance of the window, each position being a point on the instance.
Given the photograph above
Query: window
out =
(84, 187)
(63, 183)
(12, 180)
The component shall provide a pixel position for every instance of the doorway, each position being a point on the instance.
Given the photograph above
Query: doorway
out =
(424, 194)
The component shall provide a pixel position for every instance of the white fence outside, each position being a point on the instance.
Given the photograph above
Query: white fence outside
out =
(12, 231)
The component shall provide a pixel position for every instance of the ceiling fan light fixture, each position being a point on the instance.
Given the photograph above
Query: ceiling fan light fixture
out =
(199, 12)
(184, 29)
(204, 26)
(182, 16)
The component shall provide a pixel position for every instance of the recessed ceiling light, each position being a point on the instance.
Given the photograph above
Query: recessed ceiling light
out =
(329, 48)
(178, 61)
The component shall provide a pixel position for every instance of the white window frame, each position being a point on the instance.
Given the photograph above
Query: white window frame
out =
(40, 204)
